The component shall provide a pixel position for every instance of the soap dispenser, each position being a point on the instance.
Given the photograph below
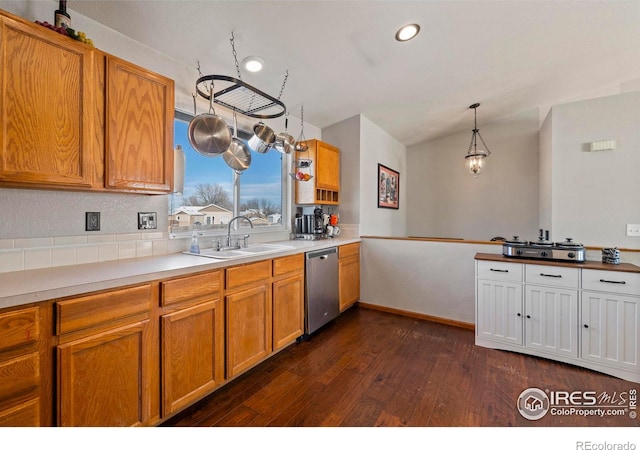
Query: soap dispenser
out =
(195, 247)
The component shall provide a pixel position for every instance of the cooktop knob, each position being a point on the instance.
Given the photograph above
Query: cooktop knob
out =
(571, 255)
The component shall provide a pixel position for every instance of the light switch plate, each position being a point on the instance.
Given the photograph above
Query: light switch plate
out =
(147, 221)
(92, 221)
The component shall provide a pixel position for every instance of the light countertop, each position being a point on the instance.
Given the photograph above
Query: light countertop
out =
(31, 286)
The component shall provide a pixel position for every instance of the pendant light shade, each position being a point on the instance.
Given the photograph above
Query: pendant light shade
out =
(475, 159)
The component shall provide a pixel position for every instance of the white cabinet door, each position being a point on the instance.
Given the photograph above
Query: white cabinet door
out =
(499, 311)
(610, 329)
(551, 320)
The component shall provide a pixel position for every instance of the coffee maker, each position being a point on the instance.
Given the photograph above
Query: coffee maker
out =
(309, 226)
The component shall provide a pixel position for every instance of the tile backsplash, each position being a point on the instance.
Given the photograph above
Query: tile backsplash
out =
(38, 253)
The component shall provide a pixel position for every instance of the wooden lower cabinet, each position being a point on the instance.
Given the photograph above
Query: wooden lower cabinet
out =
(288, 300)
(20, 371)
(104, 379)
(192, 339)
(248, 328)
(107, 359)
(349, 274)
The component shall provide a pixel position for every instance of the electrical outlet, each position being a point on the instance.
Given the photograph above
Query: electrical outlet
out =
(633, 229)
(92, 221)
(147, 221)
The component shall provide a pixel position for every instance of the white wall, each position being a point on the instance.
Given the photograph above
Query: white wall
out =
(346, 136)
(595, 194)
(377, 146)
(445, 200)
(363, 145)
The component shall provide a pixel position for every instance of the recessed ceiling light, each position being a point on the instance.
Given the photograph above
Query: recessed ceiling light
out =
(253, 63)
(407, 32)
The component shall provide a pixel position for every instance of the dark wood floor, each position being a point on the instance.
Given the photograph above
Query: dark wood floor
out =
(371, 368)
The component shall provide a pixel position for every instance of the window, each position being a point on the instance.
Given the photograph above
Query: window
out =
(214, 193)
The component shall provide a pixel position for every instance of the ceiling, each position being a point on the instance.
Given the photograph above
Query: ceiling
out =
(343, 59)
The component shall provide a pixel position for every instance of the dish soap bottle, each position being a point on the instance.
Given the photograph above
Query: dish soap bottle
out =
(195, 247)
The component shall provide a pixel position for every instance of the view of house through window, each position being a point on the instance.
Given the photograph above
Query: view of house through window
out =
(210, 198)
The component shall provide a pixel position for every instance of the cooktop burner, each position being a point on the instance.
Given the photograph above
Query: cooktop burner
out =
(544, 249)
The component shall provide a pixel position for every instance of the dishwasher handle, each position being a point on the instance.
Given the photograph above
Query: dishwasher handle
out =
(322, 254)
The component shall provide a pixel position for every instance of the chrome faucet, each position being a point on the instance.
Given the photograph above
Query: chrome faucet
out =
(229, 231)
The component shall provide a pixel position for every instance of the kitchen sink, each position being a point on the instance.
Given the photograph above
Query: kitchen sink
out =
(251, 250)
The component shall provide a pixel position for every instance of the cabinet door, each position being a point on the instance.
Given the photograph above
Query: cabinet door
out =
(349, 281)
(551, 317)
(103, 380)
(499, 311)
(248, 328)
(26, 414)
(139, 129)
(288, 311)
(46, 107)
(192, 354)
(327, 166)
(610, 329)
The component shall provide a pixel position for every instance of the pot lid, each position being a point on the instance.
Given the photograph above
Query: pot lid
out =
(541, 243)
(569, 244)
(515, 241)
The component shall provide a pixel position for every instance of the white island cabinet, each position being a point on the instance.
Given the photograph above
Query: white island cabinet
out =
(585, 314)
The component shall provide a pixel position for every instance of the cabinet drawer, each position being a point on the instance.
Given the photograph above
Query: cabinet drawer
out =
(204, 285)
(248, 273)
(349, 250)
(18, 328)
(19, 375)
(565, 277)
(84, 312)
(288, 264)
(611, 281)
(504, 271)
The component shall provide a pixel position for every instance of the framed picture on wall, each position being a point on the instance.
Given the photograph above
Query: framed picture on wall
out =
(388, 187)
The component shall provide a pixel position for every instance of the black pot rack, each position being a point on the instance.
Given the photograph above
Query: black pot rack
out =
(241, 97)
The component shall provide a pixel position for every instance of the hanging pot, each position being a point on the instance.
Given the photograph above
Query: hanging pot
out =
(262, 139)
(284, 143)
(209, 134)
(237, 156)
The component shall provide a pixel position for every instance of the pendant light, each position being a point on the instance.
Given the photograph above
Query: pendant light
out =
(474, 161)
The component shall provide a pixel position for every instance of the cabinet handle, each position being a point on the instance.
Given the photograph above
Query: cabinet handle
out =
(528, 316)
(549, 275)
(614, 282)
(519, 315)
(499, 270)
(586, 326)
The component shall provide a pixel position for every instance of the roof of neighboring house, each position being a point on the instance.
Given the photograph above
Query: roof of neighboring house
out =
(200, 210)
(189, 210)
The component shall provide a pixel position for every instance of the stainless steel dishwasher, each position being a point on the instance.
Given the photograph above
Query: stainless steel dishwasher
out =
(321, 302)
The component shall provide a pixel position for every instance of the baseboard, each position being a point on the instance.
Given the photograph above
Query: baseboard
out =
(442, 320)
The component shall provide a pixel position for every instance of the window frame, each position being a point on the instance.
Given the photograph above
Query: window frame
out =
(285, 190)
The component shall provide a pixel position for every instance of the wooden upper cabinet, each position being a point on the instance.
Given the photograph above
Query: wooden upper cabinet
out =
(46, 104)
(324, 186)
(139, 129)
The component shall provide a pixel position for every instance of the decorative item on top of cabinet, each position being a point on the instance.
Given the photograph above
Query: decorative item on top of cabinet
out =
(20, 371)
(107, 359)
(46, 96)
(349, 274)
(324, 186)
(192, 339)
(138, 129)
(288, 300)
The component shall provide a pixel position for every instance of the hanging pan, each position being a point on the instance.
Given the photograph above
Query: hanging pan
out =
(209, 134)
(262, 139)
(285, 143)
(238, 155)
